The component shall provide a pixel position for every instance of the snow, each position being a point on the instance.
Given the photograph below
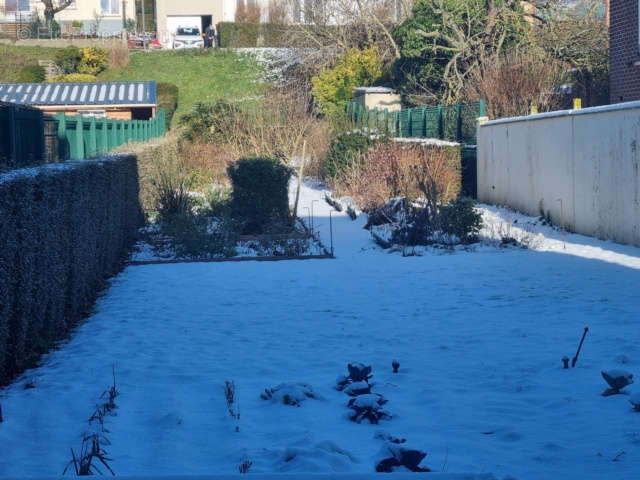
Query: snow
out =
(479, 333)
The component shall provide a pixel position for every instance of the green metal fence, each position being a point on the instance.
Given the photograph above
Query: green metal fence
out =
(22, 140)
(455, 122)
(28, 137)
(80, 138)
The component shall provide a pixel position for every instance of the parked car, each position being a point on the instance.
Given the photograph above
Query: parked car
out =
(187, 37)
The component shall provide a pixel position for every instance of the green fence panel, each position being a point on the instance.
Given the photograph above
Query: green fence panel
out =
(448, 122)
(91, 138)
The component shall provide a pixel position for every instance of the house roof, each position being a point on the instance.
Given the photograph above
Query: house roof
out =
(374, 90)
(80, 94)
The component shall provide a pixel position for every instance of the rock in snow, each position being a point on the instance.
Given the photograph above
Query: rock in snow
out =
(617, 380)
(635, 401)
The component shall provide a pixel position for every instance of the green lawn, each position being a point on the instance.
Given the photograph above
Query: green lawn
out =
(12, 59)
(200, 76)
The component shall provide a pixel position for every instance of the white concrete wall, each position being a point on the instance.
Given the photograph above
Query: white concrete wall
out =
(589, 159)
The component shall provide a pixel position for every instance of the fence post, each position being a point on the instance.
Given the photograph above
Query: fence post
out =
(62, 135)
(440, 122)
(482, 108)
(79, 140)
(458, 122)
(104, 136)
(43, 145)
(410, 122)
(424, 122)
(92, 141)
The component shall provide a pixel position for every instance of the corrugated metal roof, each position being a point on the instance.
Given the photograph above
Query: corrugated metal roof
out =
(93, 93)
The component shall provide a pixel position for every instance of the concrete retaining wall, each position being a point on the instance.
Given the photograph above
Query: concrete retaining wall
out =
(582, 166)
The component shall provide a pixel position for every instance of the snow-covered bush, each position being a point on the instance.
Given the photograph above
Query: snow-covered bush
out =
(358, 372)
(368, 407)
(396, 455)
(289, 393)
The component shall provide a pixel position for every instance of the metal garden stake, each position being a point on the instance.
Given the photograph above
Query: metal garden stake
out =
(575, 359)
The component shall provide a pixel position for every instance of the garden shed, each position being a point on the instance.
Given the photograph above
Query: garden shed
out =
(382, 98)
(112, 100)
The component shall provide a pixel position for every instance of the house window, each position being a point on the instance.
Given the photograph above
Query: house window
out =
(24, 5)
(110, 7)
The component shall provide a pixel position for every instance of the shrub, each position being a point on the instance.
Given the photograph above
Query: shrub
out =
(93, 61)
(460, 219)
(168, 95)
(333, 88)
(119, 56)
(345, 149)
(411, 170)
(68, 59)
(260, 199)
(32, 74)
(77, 24)
(75, 77)
(172, 195)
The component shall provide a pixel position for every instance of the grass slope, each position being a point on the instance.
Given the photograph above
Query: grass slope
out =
(200, 76)
(13, 59)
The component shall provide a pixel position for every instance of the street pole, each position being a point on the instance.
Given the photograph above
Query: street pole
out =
(144, 14)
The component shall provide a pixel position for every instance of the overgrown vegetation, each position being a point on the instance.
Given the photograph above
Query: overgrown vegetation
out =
(391, 170)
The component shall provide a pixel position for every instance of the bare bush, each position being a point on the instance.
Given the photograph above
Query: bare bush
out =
(245, 466)
(512, 83)
(91, 452)
(232, 402)
(278, 12)
(248, 13)
(119, 56)
(403, 170)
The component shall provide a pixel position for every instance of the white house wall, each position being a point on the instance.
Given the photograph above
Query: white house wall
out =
(84, 11)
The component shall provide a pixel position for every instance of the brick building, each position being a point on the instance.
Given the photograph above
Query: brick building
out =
(625, 51)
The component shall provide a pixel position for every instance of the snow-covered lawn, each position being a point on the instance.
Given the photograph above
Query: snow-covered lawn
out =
(479, 336)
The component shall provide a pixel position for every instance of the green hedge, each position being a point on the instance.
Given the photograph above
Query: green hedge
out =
(250, 35)
(64, 229)
(168, 95)
(260, 198)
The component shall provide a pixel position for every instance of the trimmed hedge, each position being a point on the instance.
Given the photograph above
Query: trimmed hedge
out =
(64, 229)
(260, 198)
(272, 35)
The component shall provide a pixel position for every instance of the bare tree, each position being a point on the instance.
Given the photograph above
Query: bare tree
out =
(51, 8)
